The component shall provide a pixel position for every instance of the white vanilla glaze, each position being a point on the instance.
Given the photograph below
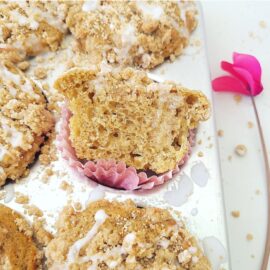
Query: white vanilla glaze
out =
(12, 135)
(90, 5)
(128, 39)
(10, 77)
(3, 152)
(100, 218)
(150, 10)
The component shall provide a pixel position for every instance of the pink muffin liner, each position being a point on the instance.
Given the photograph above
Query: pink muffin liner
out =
(109, 172)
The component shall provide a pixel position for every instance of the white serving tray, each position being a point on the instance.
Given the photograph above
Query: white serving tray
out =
(199, 182)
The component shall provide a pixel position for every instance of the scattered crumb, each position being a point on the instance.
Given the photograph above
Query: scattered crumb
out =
(200, 154)
(45, 86)
(229, 157)
(237, 98)
(220, 133)
(240, 150)
(172, 57)
(77, 206)
(40, 73)
(209, 138)
(2, 194)
(48, 150)
(23, 227)
(252, 256)
(66, 186)
(235, 213)
(21, 198)
(33, 210)
(249, 237)
(70, 64)
(258, 192)
(250, 124)
(262, 24)
(210, 145)
(199, 141)
(23, 65)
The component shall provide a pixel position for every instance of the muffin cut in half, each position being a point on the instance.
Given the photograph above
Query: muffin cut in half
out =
(140, 33)
(24, 121)
(114, 235)
(30, 27)
(18, 250)
(125, 116)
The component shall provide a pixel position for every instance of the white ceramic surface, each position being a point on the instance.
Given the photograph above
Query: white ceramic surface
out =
(241, 26)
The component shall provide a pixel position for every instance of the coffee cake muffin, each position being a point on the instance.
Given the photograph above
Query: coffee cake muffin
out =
(17, 247)
(113, 235)
(125, 116)
(141, 33)
(24, 121)
(30, 27)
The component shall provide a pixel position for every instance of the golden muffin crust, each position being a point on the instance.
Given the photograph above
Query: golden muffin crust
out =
(114, 235)
(30, 27)
(125, 116)
(140, 33)
(24, 121)
(17, 248)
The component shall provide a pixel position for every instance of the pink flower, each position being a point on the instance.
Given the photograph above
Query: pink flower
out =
(246, 76)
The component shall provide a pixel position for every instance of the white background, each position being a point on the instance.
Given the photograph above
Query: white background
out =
(241, 26)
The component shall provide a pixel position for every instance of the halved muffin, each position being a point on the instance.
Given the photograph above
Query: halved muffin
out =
(24, 121)
(114, 235)
(125, 116)
(141, 33)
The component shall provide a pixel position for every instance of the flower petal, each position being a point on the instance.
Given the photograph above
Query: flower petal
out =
(255, 87)
(249, 63)
(226, 66)
(229, 84)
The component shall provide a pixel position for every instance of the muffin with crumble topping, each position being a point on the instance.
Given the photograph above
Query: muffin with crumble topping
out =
(114, 235)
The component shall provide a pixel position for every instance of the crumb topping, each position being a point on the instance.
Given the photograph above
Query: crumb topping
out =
(140, 33)
(121, 236)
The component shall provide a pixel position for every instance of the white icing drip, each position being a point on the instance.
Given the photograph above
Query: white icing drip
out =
(10, 192)
(112, 257)
(96, 194)
(199, 174)
(153, 11)
(164, 243)
(90, 5)
(13, 136)
(3, 152)
(100, 218)
(179, 196)
(128, 242)
(15, 78)
(128, 39)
